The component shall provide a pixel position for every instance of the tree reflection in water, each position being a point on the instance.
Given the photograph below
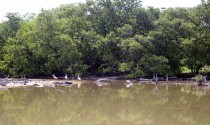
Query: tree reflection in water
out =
(114, 104)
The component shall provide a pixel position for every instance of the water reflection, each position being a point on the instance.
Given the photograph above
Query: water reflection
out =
(114, 104)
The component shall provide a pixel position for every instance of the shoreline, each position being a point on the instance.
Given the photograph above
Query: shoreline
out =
(10, 83)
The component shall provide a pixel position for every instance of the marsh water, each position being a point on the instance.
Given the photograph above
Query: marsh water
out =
(108, 105)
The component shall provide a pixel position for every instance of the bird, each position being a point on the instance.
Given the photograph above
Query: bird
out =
(54, 77)
(24, 79)
(128, 83)
(66, 77)
(78, 78)
(6, 77)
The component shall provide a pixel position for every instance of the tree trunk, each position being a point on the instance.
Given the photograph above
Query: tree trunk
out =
(197, 70)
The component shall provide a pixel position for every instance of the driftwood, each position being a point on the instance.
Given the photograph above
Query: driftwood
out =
(6, 81)
(102, 82)
(63, 83)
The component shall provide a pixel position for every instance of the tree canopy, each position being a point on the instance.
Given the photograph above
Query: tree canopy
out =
(106, 37)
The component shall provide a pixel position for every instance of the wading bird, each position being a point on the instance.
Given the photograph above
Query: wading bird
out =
(78, 78)
(128, 83)
(66, 77)
(54, 77)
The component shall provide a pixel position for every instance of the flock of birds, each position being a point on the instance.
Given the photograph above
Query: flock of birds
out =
(99, 82)
(69, 82)
(65, 77)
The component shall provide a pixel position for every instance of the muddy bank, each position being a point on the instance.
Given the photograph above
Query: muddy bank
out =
(61, 82)
(35, 82)
(100, 81)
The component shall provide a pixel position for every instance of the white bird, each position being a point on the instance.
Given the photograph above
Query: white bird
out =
(79, 82)
(7, 77)
(54, 77)
(129, 83)
(78, 78)
(66, 77)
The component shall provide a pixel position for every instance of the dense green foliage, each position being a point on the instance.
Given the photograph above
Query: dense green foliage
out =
(106, 37)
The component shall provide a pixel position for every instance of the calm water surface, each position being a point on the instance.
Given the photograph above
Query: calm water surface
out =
(111, 105)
